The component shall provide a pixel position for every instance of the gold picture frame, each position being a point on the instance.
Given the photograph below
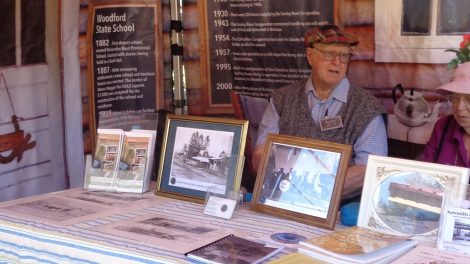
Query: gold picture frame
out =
(301, 179)
(201, 153)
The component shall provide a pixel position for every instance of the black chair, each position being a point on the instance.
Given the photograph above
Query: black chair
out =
(249, 108)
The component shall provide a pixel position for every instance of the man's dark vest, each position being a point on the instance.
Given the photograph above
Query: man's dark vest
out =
(291, 104)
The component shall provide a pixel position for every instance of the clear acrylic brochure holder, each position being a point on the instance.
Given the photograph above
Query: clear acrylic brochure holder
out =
(133, 178)
(122, 177)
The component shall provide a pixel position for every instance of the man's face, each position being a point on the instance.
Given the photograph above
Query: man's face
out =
(328, 72)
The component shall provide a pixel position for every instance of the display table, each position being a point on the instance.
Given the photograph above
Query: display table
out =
(79, 226)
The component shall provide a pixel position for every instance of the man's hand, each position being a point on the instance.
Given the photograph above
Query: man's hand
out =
(354, 181)
(256, 159)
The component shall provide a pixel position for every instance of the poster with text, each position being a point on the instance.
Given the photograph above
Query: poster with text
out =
(254, 47)
(125, 69)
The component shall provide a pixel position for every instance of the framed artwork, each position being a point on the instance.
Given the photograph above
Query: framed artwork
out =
(405, 197)
(201, 153)
(301, 179)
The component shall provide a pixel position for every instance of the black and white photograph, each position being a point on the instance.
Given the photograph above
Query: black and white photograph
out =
(175, 235)
(301, 178)
(141, 152)
(57, 210)
(111, 149)
(201, 159)
(461, 231)
(201, 154)
(107, 198)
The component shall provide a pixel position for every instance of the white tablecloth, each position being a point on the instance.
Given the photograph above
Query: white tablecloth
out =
(27, 238)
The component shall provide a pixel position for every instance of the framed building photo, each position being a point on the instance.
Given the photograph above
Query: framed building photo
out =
(405, 197)
(301, 179)
(199, 153)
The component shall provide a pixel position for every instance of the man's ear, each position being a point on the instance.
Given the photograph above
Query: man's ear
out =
(309, 52)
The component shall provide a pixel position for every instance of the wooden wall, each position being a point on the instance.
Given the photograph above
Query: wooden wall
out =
(356, 16)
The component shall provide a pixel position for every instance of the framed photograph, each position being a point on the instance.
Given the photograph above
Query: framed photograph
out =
(301, 179)
(405, 197)
(200, 153)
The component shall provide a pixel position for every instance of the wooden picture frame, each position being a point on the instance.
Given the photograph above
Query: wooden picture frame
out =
(309, 190)
(189, 166)
(124, 58)
(405, 197)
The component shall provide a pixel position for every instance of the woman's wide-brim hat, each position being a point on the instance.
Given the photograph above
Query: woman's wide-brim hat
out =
(460, 81)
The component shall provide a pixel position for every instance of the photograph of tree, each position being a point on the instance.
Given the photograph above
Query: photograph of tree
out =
(201, 159)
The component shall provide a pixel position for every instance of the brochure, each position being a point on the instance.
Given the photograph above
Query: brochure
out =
(104, 164)
(178, 235)
(135, 161)
(123, 161)
(454, 230)
(356, 245)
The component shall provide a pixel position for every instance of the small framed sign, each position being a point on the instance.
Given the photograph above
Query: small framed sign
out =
(220, 207)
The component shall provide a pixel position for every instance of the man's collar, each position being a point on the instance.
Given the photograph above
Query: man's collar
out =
(340, 92)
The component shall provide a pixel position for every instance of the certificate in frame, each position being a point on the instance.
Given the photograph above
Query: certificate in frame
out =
(405, 197)
(200, 154)
(301, 179)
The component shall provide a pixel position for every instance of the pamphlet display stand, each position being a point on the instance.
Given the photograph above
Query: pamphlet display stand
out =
(118, 180)
(133, 179)
(124, 155)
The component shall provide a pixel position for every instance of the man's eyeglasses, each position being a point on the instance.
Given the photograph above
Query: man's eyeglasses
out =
(455, 99)
(331, 55)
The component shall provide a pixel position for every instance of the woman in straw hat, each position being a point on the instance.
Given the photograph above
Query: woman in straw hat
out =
(450, 139)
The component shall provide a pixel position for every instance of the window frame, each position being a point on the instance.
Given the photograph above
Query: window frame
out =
(17, 38)
(391, 46)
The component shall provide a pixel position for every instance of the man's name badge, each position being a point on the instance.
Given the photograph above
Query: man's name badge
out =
(220, 207)
(329, 123)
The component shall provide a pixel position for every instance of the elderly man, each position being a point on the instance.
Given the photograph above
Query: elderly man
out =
(327, 107)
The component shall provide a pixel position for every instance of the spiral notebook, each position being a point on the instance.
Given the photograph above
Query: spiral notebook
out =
(233, 249)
